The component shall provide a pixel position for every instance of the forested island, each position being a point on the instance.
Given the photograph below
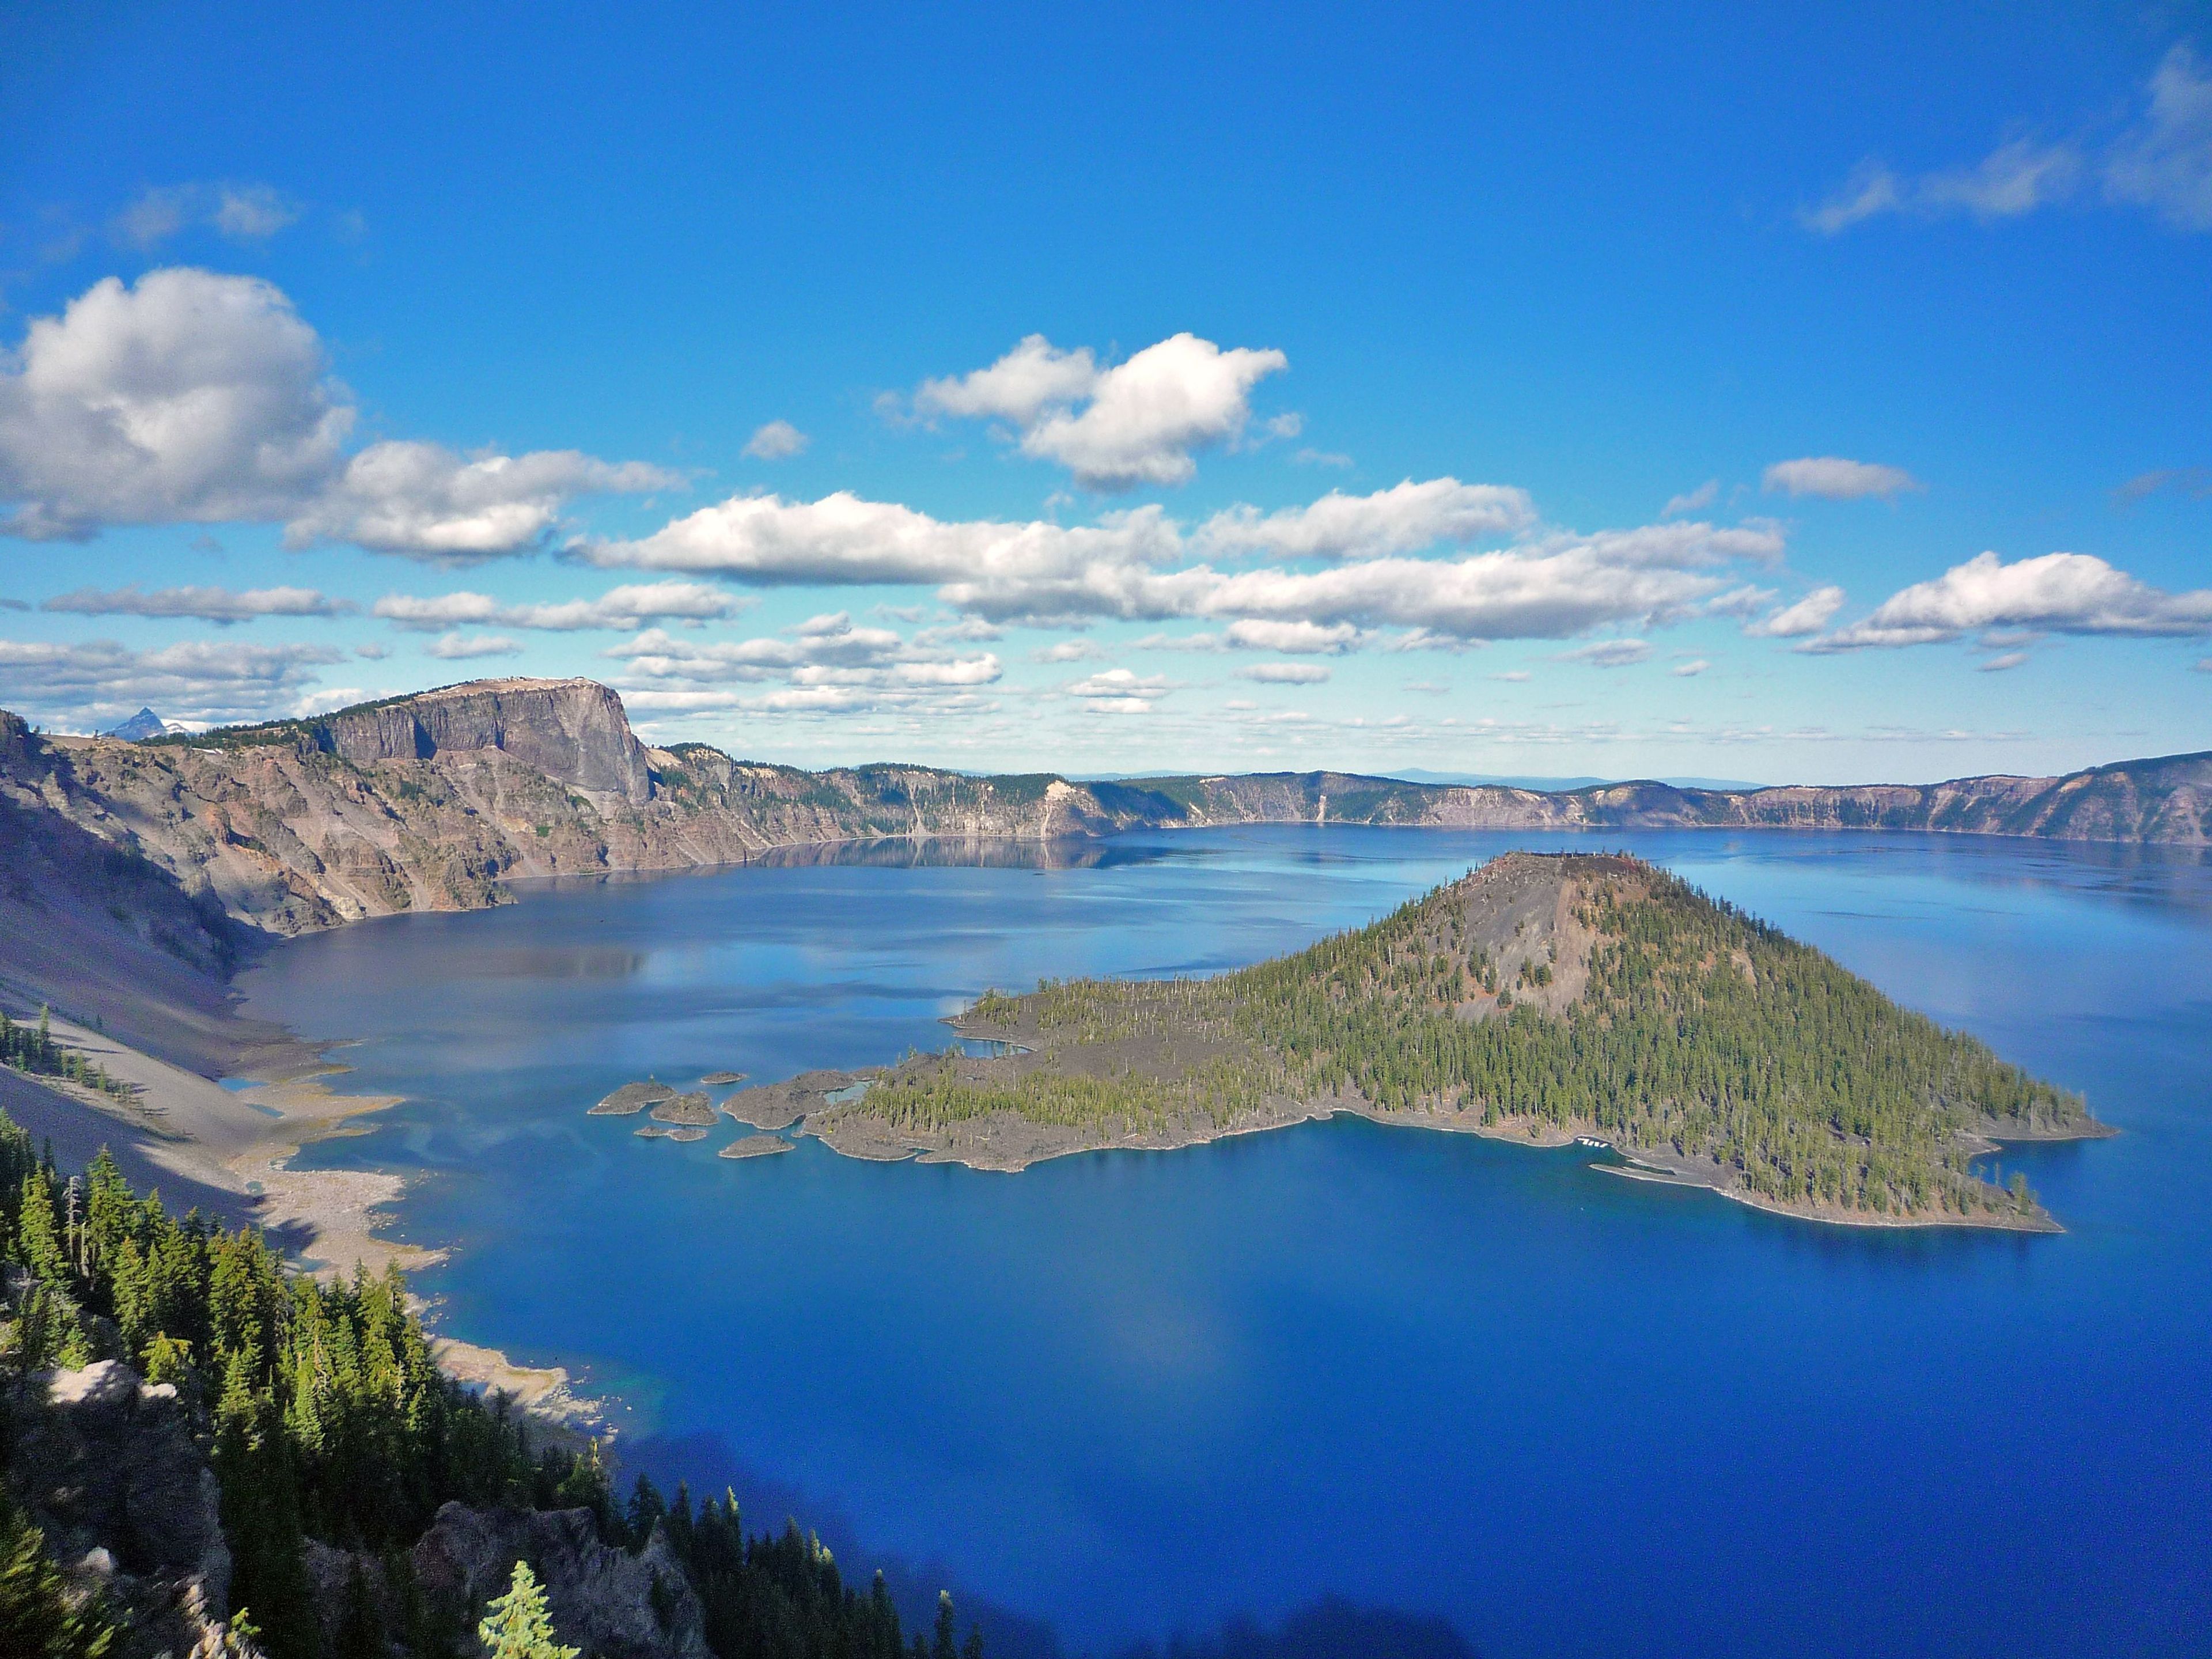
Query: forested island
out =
(1543, 997)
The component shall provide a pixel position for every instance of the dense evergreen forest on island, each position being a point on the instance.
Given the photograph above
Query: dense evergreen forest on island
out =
(1550, 994)
(325, 1417)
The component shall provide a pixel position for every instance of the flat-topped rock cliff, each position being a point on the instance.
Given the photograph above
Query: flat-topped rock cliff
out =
(572, 730)
(435, 802)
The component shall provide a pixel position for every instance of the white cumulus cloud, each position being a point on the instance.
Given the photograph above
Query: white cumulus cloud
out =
(825, 666)
(1833, 479)
(1293, 638)
(197, 398)
(190, 397)
(778, 441)
(1807, 615)
(2056, 594)
(1034, 377)
(1285, 673)
(1403, 519)
(424, 501)
(1068, 651)
(1139, 423)
(1120, 682)
(1139, 565)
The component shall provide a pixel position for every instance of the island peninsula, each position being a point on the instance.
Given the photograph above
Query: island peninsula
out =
(1542, 999)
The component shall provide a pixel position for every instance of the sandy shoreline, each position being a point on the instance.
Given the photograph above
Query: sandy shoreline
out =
(225, 1147)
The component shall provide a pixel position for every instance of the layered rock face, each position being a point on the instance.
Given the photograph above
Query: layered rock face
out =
(575, 732)
(435, 802)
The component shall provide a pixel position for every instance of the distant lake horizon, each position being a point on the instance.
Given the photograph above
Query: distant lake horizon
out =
(1133, 1394)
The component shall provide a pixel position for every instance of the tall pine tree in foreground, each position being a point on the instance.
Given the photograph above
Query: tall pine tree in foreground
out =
(517, 1625)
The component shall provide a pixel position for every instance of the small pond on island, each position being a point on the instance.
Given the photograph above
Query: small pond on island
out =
(1135, 1394)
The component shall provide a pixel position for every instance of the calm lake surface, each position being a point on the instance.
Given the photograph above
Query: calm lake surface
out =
(1133, 1393)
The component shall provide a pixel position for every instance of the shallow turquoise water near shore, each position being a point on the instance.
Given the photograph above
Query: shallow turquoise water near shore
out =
(1134, 1393)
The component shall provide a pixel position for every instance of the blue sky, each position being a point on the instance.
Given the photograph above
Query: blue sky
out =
(1555, 391)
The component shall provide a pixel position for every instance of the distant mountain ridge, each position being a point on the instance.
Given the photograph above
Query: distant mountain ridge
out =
(434, 801)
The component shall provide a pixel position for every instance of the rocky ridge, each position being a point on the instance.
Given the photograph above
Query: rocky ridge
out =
(602, 1598)
(435, 802)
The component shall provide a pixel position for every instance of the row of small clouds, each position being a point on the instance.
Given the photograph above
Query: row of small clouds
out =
(1143, 565)
(828, 665)
(197, 679)
(243, 212)
(2059, 592)
(2162, 160)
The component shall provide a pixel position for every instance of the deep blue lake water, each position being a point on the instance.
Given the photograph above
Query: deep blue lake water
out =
(1133, 1393)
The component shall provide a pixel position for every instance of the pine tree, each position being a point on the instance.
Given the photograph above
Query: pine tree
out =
(359, 1632)
(39, 1618)
(517, 1625)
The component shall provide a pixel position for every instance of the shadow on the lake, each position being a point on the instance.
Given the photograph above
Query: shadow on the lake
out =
(710, 1464)
(1329, 1627)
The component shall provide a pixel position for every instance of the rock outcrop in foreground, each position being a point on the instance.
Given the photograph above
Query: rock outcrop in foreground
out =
(110, 1471)
(603, 1600)
(109, 1468)
(434, 802)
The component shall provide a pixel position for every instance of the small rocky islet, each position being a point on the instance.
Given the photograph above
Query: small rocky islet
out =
(687, 1116)
(631, 1099)
(691, 1111)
